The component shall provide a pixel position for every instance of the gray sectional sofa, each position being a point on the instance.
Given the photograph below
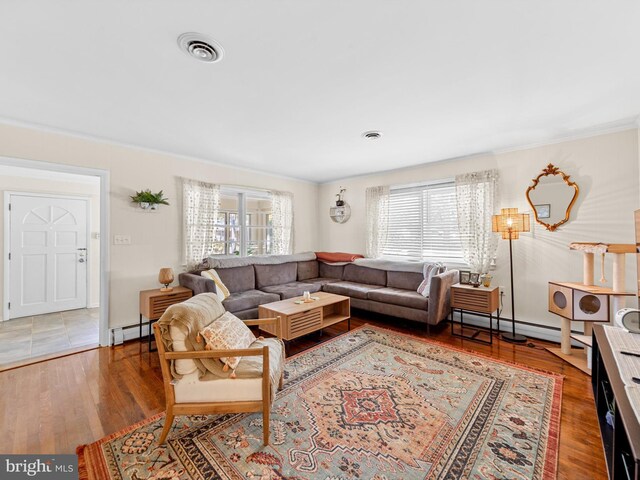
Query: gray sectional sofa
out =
(383, 287)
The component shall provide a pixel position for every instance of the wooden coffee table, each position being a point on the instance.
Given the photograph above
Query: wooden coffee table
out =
(299, 319)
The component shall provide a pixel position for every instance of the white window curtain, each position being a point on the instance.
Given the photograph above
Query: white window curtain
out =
(282, 222)
(476, 198)
(201, 204)
(377, 218)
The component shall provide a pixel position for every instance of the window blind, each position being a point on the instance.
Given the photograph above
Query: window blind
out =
(423, 223)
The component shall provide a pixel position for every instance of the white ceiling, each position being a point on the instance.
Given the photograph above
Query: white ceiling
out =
(302, 79)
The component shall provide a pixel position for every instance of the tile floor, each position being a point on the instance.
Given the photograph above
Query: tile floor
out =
(30, 337)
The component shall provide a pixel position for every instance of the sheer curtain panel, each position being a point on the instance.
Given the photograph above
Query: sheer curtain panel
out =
(377, 211)
(476, 198)
(282, 222)
(201, 204)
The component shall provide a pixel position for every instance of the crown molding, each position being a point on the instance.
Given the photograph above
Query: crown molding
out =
(630, 123)
(108, 141)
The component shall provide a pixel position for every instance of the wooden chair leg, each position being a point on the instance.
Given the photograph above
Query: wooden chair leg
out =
(266, 407)
(281, 382)
(168, 421)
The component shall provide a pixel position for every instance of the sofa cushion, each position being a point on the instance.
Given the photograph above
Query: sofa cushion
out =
(249, 299)
(307, 270)
(322, 281)
(268, 275)
(404, 280)
(293, 289)
(327, 270)
(238, 279)
(398, 296)
(368, 276)
(350, 289)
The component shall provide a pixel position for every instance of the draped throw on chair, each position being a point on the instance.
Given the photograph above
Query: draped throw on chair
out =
(282, 222)
(476, 197)
(377, 208)
(201, 204)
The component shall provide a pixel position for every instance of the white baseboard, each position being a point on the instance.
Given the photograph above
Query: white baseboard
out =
(531, 331)
(118, 335)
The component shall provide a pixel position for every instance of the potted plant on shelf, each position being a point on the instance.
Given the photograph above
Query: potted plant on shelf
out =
(149, 200)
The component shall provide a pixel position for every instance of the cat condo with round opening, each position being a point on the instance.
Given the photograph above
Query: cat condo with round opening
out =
(587, 302)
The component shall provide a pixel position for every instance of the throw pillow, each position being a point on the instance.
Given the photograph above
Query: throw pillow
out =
(227, 332)
(429, 270)
(221, 291)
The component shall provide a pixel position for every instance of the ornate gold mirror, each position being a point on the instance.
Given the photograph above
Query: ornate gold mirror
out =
(551, 197)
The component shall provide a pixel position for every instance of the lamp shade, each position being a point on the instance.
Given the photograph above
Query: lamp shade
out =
(510, 223)
(165, 277)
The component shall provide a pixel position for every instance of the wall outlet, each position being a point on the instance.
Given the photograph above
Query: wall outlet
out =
(502, 289)
(122, 239)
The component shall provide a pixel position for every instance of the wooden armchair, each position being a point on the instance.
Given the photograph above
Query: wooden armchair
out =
(190, 394)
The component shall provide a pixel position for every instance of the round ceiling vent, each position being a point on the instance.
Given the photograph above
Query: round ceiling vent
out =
(200, 47)
(372, 135)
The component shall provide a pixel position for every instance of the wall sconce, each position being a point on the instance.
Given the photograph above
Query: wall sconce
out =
(342, 211)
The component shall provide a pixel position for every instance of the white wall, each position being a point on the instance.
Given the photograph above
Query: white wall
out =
(156, 236)
(9, 181)
(605, 167)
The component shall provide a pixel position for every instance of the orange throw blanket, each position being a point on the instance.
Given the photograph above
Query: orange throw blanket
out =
(332, 257)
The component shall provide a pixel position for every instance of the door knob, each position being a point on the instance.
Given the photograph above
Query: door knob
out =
(81, 260)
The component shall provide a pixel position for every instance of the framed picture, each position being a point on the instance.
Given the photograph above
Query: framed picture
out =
(543, 210)
(474, 279)
(464, 277)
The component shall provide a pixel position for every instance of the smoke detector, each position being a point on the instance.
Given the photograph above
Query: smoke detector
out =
(200, 47)
(372, 135)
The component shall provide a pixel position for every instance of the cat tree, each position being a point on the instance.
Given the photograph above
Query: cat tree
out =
(587, 302)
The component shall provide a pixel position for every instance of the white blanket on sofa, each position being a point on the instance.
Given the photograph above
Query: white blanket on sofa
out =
(228, 261)
(390, 265)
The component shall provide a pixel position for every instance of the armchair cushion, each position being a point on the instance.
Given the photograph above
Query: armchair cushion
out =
(227, 332)
(247, 386)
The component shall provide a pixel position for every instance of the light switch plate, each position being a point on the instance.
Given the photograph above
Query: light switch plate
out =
(122, 239)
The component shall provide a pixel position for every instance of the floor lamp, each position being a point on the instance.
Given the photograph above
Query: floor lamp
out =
(510, 223)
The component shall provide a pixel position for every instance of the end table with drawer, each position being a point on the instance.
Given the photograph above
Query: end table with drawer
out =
(153, 304)
(482, 301)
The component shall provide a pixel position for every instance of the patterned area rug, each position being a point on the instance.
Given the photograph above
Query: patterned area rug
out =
(370, 404)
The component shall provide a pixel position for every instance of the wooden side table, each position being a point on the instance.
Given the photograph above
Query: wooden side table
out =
(480, 300)
(153, 304)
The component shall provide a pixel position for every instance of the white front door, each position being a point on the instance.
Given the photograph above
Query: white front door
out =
(48, 254)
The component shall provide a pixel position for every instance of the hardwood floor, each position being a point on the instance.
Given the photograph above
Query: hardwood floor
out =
(54, 406)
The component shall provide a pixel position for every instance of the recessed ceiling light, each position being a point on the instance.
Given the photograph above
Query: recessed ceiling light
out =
(372, 134)
(200, 47)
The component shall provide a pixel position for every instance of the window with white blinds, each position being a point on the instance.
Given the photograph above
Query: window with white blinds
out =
(423, 224)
